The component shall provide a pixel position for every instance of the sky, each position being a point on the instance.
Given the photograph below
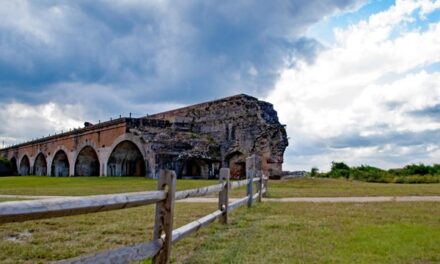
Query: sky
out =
(354, 80)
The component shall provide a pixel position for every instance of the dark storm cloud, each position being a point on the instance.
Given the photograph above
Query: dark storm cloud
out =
(151, 51)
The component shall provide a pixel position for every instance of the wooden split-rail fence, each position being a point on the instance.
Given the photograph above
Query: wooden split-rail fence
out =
(163, 236)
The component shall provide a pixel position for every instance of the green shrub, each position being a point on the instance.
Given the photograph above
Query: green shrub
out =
(417, 179)
(414, 173)
(339, 170)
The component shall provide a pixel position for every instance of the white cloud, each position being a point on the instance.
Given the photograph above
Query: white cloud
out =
(24, 122)
(367, 84)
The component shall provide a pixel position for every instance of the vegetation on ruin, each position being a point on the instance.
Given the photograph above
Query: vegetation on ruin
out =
(414, 173)
(5, 166)
(4, 161)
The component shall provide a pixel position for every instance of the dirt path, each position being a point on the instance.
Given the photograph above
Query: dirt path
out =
(370, 199)
(361, 199)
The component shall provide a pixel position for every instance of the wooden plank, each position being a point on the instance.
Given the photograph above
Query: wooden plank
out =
(163, 225)
(237, 184)
(250, 191)
(237, 203)
(194, 226)
(265, 184)
(256, 179)
(260, 186)
(20, 211)
(223, 198)
(203, 191)
(250, 174)
(127, 254)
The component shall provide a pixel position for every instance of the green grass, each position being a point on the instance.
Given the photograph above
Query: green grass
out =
(305, 187)
(59, 238)
(74, 186)
(10, 199)
(327, 233)
(324, 187)
(77, 186)
(266, 233)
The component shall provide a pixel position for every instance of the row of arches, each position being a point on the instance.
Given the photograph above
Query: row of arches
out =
(125, 160)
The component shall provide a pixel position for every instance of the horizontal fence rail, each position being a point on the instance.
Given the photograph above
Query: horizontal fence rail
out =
(238, 184)
(237, 203)
(198, 192)
(190, 228)
(56, 207)
(164, 236)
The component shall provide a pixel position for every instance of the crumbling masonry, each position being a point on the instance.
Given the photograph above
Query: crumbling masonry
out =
(195, 141)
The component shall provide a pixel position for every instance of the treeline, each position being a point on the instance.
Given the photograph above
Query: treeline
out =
(414, 173)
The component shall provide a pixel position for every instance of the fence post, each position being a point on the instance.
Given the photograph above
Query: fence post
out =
(250, 189)
(260, 187)
(265, 184)
(163, 224)
(253, 169)
(223, 198)
(250, 173)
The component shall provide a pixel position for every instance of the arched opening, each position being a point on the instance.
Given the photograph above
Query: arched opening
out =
(195, 168)
(14, 170)
(192, 168)
(126, 160)
(237, 165)
(87, 162)
(60, 164)
(25, 167)
(40, 166)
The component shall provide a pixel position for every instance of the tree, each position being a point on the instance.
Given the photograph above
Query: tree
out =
(339, 170)
(339, 166)
(314, 172)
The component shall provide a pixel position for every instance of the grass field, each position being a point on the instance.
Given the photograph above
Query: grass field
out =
(327, 233)
(10, 199)
(74, 186)
(267, 233)
(53, 239)
(324, 187)
(77, 186)
(305, 187)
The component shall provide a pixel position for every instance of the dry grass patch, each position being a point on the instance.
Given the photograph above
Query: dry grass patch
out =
(54, 239)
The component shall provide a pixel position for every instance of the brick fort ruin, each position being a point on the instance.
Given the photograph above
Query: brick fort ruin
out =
(195, 141)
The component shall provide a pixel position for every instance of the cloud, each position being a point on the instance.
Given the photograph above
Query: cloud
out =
(194, 50)
(368, 97)
(108, 58)
(22, 122)
(428, 112)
